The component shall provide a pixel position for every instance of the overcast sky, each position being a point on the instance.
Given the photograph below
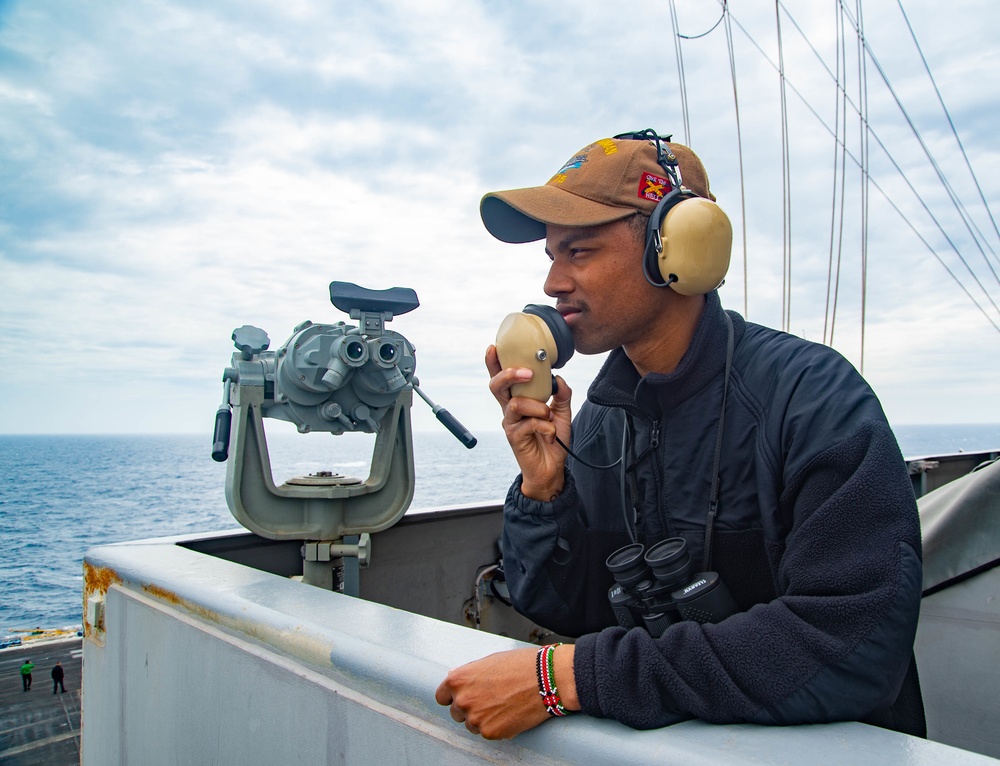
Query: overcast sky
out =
(171, 170)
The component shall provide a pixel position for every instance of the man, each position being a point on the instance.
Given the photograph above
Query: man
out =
(57, 678)
(805, 504)
(26, 669)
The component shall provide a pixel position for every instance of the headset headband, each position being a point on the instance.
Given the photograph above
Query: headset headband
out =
(697, 265)
(668, 161)
(664, 156)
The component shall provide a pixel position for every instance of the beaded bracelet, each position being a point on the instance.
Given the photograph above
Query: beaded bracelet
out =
(547, 681)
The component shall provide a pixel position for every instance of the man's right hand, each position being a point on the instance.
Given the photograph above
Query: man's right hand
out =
(532, 427)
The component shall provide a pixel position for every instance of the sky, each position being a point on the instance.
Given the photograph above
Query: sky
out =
(174, 169)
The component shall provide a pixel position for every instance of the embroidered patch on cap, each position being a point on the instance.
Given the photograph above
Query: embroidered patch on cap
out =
(573, 164)
(653, 187)
(609, 146)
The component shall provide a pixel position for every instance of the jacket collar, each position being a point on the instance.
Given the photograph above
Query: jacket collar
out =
(618, 383)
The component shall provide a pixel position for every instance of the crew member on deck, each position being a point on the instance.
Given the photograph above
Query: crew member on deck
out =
(26, 669)
(767, 455)
(57, 678)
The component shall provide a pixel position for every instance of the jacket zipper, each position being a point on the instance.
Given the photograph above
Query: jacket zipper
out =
(658, 483)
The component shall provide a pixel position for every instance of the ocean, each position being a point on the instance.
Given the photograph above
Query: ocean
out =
(60, 495)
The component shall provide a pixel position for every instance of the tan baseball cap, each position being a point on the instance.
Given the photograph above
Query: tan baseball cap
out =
(606, 181)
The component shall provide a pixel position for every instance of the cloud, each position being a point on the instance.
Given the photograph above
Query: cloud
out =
(171, 171)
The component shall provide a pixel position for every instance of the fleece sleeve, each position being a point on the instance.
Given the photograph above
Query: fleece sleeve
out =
(553, 561)
(835, 644)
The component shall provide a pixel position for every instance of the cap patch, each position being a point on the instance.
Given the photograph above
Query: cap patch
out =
(653, 187)
(573, 164)
(609, 146)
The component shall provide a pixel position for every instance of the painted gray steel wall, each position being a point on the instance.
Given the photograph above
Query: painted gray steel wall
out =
(958, 657)
(206, 661)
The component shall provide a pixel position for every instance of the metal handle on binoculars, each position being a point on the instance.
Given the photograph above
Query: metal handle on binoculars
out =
(223, 421)
(448, 420)
(220, 439)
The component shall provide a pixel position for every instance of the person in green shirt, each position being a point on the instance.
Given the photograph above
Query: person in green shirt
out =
(26, 669)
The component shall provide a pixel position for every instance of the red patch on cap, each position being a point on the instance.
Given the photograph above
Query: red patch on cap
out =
(653, 187)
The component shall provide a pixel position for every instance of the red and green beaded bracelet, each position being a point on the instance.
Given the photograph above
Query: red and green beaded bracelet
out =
(547, 681)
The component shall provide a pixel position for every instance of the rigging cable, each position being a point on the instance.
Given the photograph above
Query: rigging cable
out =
(739, 149)
(710, 30)
(951, 124)
(857, 109)
(843, 168)
(786, 211)
(833, 201)
(835, 236)
(889, 156)
(941, 177)
(863, 128)
(875, 184)
(739, 135)
(680, 73)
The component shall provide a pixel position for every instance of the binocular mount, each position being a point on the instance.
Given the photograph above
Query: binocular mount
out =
(335, 378)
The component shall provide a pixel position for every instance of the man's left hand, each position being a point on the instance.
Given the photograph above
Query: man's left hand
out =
(497, 696)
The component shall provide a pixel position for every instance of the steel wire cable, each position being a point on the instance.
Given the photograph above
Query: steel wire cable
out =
(710, 29)
(786, 210)
(739, 149)
(959, 206)
(836, 234)
(739, 133)
(863, 130)
(680, 74)
(874, 135)
(954, 131)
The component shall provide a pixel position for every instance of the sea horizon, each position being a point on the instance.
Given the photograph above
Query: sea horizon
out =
(61, 494)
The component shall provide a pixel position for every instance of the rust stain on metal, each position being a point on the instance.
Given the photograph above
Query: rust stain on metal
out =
(96, 581)
(99, 579)
(163, 594)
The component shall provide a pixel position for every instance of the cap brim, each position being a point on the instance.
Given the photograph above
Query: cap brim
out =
(520, 215)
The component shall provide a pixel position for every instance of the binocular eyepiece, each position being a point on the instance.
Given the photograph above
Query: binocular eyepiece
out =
(656, 589)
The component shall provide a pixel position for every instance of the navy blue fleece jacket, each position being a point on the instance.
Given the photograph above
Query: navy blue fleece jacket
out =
(817, 538)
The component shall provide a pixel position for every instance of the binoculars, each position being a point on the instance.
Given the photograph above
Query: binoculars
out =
(655, 588)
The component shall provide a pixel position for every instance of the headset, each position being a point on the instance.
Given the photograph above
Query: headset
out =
(688, 245)
(689, 239)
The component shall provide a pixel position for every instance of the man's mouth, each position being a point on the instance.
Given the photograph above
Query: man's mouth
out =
(568, 312)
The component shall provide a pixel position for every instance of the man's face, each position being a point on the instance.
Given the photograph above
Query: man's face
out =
(596, 278)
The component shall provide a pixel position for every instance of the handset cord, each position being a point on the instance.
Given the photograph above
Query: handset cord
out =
(713, 500)
(579, 459)
(629, 526)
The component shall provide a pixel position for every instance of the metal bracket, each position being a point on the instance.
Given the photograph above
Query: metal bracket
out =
(324, 510)
(330, 550)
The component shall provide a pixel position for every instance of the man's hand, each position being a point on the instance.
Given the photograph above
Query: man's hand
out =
(498, 697)
(531, 428)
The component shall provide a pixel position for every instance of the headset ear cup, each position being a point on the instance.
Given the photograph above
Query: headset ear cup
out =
(697, 243)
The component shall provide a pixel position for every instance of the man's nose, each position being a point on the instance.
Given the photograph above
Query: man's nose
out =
(556, 281)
